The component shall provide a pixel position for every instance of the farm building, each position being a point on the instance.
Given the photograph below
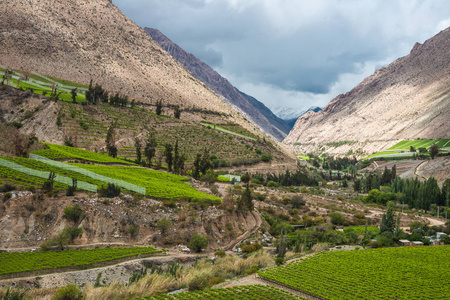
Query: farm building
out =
(404, 243)
(416, 243)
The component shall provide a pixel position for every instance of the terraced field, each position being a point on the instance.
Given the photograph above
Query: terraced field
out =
(158, 184)
(250, 292)
(401, 149)
(387, 273)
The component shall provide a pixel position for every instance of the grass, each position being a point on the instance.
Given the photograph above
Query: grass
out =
(387, 273)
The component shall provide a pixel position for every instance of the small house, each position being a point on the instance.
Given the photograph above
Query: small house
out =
(405, 243)
(416, 243)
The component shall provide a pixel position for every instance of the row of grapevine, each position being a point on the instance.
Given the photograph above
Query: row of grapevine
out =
(73, 168)
(158, 184)
(17, 262)
(42, 174)
(388, 273)
(249, 292)
(64, 152)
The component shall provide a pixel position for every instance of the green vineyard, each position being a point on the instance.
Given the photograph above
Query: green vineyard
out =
(249, 292)
(65, 152)
(388, 273)
(18, 262)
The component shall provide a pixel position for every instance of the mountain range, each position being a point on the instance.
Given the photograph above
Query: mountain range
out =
(251, 107)
(408, 99)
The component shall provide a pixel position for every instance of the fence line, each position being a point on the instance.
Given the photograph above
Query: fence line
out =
(43, 174)
(118, 182)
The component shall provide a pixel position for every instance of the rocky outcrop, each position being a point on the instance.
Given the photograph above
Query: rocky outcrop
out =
(255, 110)
(410, 98)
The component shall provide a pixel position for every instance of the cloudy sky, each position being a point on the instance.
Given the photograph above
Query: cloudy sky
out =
(293, 53)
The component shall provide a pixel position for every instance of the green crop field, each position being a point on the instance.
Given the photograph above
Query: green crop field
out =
(387, 273)
(65, 152)
(405, 145)
(24, 180)
(401, 149)
(249, 292)
(244, 134)
(18, 262)
(158, 184)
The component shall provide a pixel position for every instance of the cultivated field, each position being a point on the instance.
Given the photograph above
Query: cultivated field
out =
(387, 273)
(249, 292)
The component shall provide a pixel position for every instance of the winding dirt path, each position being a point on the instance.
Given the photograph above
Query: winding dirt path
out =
(258, 222)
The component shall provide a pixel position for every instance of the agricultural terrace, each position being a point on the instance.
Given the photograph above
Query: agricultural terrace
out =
(401, 149)
(41, 84)
(8, 175)
(18, 262)
(65, 152)
(220, 128)
(158, 184)
(386, 273)
(249, 292)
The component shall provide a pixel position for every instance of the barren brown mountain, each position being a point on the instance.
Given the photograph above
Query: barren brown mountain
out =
(410, 98)
(79, 40)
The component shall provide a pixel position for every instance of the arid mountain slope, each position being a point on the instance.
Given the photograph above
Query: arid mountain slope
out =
(410, 98)
(81, 40)
(254, 109)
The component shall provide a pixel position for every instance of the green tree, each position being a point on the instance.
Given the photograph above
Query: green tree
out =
(159, 107)
(169, 155)
(266, 157)
(138, 146)
(150, 148)
(198, 242)
(73, 92)
(111, 140)
(388, 220)
(434, 151)
(177, 112)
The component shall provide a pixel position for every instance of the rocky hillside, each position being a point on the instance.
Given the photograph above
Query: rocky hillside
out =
(255, 110)
(79, 40)
(410, 98)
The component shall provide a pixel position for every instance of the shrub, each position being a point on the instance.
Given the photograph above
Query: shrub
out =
(198, 242)
(6, 187)
(110, 191)
(14, 294)
(73, 213)
(164, 225)
(297, 201)
(266, 157)
(197, 283)
(70, 292)
(215, 280)
(336, 218)
(252, 270)
(279, 261)
(133, 230)
(220, 253)
(6, 197)
(271, 183)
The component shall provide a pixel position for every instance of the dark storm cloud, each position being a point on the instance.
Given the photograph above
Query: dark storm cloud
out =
(298, 52)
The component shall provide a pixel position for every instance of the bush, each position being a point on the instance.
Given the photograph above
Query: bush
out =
(6, 197)
(110, 191)
(266, 157)
(279, 261)
(198, 242)
(70, 292)
(6, 187)
(220, 253)
(73, 213)
(251, 271)
(215, 280)
(133, 230)
(164, 225)
(14, 294)
(297, 201)
(336, 218)
(272, 184)
(197, 283)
